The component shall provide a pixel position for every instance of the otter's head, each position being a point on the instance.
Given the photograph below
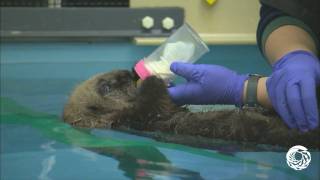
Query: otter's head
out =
(99, 100)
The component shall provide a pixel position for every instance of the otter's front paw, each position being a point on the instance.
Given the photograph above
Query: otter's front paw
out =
(153, 86)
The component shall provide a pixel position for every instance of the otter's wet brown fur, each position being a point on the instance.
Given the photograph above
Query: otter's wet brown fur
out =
(111, 100)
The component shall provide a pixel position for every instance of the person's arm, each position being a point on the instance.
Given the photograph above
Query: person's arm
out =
(281, 41)
(279, 33)
(291, 48)
(213, 84)
(286, 39)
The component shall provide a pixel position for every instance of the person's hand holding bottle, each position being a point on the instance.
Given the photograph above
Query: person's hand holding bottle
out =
(207, 84)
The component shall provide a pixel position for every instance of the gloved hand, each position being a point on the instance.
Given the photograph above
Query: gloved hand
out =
(292, 89)
(207, 84)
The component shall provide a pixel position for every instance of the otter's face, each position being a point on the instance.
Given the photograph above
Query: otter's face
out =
(98, 101)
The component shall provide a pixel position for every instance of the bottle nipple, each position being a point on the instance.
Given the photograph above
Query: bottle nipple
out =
(141, 70)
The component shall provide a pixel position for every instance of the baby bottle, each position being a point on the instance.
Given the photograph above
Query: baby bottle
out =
(184, 45)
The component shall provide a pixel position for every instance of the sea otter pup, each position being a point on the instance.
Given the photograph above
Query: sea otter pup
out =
(112, 100)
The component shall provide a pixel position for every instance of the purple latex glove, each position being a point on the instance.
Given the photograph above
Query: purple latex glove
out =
(292, 89)
(207, 84)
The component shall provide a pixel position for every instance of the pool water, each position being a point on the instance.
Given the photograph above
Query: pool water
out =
(36, 79)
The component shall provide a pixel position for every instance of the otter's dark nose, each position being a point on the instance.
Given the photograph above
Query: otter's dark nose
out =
(135, 75)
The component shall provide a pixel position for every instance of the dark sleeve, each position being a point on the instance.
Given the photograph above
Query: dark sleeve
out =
(267, 14)
(271, 19)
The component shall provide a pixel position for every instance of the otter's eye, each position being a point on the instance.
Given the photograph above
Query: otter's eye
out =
(106, 88)
(103, 88)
